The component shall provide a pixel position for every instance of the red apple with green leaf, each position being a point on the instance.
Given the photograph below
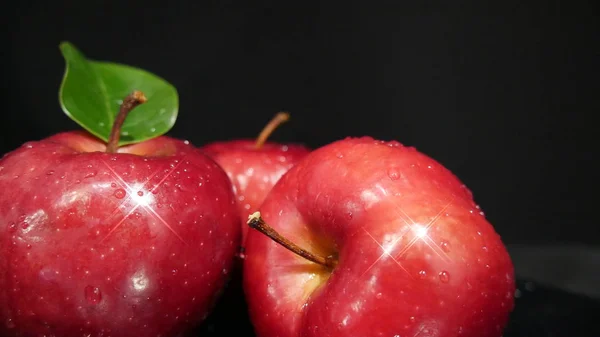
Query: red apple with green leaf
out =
(254, 166)
(381, 240)
(118, 230)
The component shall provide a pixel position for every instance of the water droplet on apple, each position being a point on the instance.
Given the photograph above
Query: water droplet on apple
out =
(339, 155)
(93, 294)
(140, 193)
(24, 225)
(422, 274)
(113, 185)
(485, 248)
(412, 319)
(445, 246)
(393, 173)
(444, 276)
(120, 193)
(10, 324)
(379, 295)
(51, 172)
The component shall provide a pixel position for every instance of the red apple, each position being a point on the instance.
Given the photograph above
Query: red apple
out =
(399, 246)
(254, 166)
(137, 242)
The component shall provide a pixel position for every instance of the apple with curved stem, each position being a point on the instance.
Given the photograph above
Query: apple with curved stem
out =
(372, 238)
(98, 239)
(254, 166)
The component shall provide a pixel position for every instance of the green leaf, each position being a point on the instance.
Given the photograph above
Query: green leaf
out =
(91, 93)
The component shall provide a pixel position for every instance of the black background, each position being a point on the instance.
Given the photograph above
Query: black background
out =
(500, 93)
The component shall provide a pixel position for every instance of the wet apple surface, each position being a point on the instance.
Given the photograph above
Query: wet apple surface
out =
(128, 243)
(254, 171)
(415, 253)
(255, 165)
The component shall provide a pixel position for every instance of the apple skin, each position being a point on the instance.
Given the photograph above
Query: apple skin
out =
(74, 263)
(252, 171)
(416, 256)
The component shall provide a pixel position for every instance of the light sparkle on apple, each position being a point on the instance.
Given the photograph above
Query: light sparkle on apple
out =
(412, 257)
(97, 239)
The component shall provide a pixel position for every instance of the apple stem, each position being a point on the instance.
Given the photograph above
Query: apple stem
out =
(129, 103)
(256, 221)
(279, 118)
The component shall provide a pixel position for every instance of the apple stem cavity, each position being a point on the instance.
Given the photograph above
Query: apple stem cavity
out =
(256, 221)
(129, 103)
(279, 119)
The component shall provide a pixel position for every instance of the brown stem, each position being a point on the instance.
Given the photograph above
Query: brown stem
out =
(129, 103)
(270, 127)
(256, 221)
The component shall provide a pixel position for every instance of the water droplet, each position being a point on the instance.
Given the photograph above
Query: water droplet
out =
(444, 276)
(10, 324)
(174, 271)
(379, 295)
(393, 173)
(140, 193)
(484, 248)
(339, 155)
(186, 142)
(120, 193)
(113, 185)
(24, 225)
(412, 319)
(51, 172)
(445, 246)
(93, 294)
(422, 274)
(152, 129)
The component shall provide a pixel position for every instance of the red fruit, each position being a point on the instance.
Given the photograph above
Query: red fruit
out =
(402, 250)
(254, 166)
(134, 243)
